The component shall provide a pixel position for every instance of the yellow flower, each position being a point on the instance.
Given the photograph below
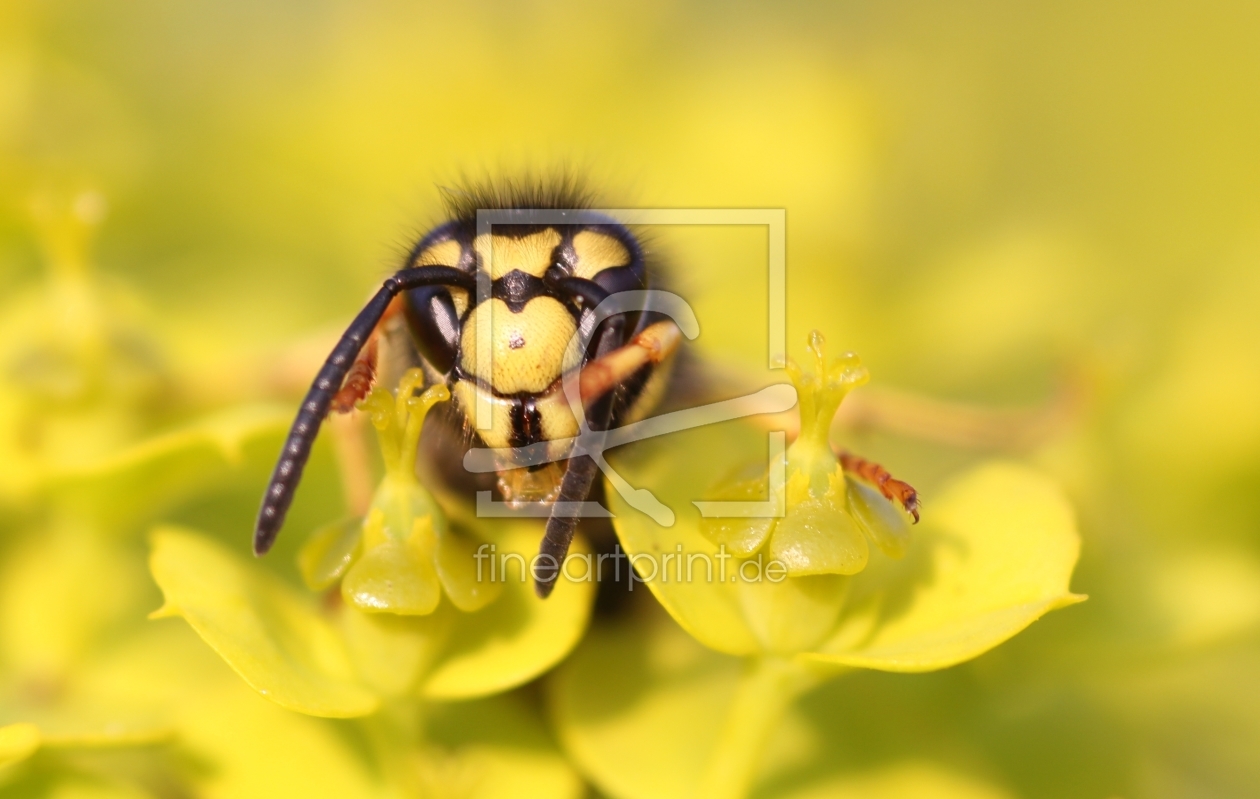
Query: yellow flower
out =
(83, 679)
(96, 701)
(419, 613)
(995, 553)
(404, 556)
(79, 376)
(821, 530)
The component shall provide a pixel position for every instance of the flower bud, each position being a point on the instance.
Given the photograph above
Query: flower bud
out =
(820, 531)
(403, 556)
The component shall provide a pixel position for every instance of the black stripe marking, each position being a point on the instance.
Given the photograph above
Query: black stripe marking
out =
(526, 422)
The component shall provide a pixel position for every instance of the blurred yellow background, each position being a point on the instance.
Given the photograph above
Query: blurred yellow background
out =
(991, 203)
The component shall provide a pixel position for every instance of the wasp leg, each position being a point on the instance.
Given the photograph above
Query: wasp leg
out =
(652, 345)
(297, 447)
(893, 490)
(360, 379)
(362, 375)
(610, 368)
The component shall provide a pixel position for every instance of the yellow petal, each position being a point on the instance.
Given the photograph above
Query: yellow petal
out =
(61, 589)
(79, 721)
(127, 693)
(66, 784)
(139, 482)
(17, 742)
(494, 747)
(882, 520)
(795, 614)
(518, 636)
(393, 577)
(909, 779)
(270, 634)
(246, 747)
(679, 469)
(457, 563)
(327, 554)
(742, 536)
(639, 707)
(995, 553)
(390, 653)
(818, 538)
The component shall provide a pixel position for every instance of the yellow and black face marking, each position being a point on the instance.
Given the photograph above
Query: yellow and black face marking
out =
(545, 281)
(533, 317)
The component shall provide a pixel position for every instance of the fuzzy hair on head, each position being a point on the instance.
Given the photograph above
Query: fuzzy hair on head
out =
(555, 192)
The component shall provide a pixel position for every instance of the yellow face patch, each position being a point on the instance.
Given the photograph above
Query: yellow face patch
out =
(557, 417)
(527, 348)
(531, 254)
(597, 252)
(459, 298)
(558, 421)
(499, 434)
(444, 253)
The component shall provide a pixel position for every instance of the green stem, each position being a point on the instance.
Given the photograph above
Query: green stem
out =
(767, 688)
(395, 735)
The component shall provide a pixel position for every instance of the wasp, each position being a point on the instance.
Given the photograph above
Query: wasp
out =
(545, 281)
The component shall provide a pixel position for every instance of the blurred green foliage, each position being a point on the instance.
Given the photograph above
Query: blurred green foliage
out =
(1046, 213)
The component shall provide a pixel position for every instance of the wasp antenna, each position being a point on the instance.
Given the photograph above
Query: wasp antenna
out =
(297, 447)
(575, 487)
(578, 478)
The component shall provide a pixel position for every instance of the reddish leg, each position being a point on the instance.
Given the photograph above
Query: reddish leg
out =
(360, 378)
(328, 381)
(652, 345)
(893, 490)
(362, 375)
